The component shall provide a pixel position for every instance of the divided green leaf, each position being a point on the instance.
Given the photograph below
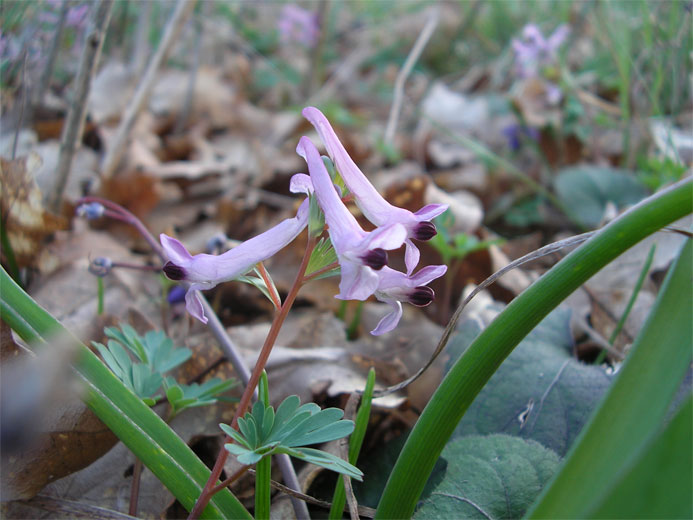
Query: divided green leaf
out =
(263, 432)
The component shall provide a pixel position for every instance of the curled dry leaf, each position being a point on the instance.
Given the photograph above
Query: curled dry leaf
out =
(22, 212)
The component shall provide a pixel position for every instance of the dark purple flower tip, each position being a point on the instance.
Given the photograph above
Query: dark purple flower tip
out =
(425, 231)
(421, 296)
(173, 271)
(375, 258)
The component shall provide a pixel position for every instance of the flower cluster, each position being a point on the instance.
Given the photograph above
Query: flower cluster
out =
(534, 52)
(298, 25)
(362, 254)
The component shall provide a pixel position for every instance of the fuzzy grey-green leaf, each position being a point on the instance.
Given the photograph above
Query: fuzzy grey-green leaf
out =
(497, 476)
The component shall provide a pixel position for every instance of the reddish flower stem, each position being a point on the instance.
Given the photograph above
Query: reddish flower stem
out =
(277, 323)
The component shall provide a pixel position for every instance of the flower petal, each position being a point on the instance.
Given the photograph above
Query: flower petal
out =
(431, 211)
(358, 281)
(301, 183)
(374, 206)
(390, 320)
(411, 256)
(175, 251)
(193, 303)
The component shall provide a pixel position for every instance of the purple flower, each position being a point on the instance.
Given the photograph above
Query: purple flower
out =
(77, 15)
(376, 209)
(516, 133)
(206, 271)
(534, 51)
(395, 287)
(298, 25)
(361, 254)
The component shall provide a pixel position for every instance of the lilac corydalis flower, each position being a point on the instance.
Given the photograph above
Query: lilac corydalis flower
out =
(375, 208)
(361, 254)
(206, 271)
(298, 25)
(395, 287)
(533, 51)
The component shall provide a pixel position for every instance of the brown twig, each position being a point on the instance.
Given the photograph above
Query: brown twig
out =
(144, 89)
(74, 123)
(135, 487)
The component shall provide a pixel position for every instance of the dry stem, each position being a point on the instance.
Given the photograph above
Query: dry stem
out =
(144, 89)
(74, 123)
(414, 54)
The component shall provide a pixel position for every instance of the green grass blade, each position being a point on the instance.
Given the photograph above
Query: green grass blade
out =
(473, 370)
(634, 407)
(660, 483)
(355, 442)
(140, 429)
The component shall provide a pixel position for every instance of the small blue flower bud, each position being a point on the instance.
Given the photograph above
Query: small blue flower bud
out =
(91, 210)
(100, 266)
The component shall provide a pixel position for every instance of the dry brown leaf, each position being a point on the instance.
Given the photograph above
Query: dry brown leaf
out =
(48, 432)
(22, 212)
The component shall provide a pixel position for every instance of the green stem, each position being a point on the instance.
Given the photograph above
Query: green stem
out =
(355, 321)
(633, 296)
(479, 362)
(99, 295)
(355, 443)
(263, 469)
(263, 474)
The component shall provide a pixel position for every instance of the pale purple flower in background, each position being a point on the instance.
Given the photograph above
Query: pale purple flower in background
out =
(361, 254)
(206, 271)
(395, 287)
(533, 51)
(375, 208)
(298, 25)
(77, 15)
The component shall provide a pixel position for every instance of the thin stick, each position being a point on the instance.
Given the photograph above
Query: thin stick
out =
(404, 72)
(452, 324)
(45, 79)
(73, 509)
(144, 89)
(364, 511)
(135, 487)
(74, 123)
(21, 108)
(140, 51)
(194, 68)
